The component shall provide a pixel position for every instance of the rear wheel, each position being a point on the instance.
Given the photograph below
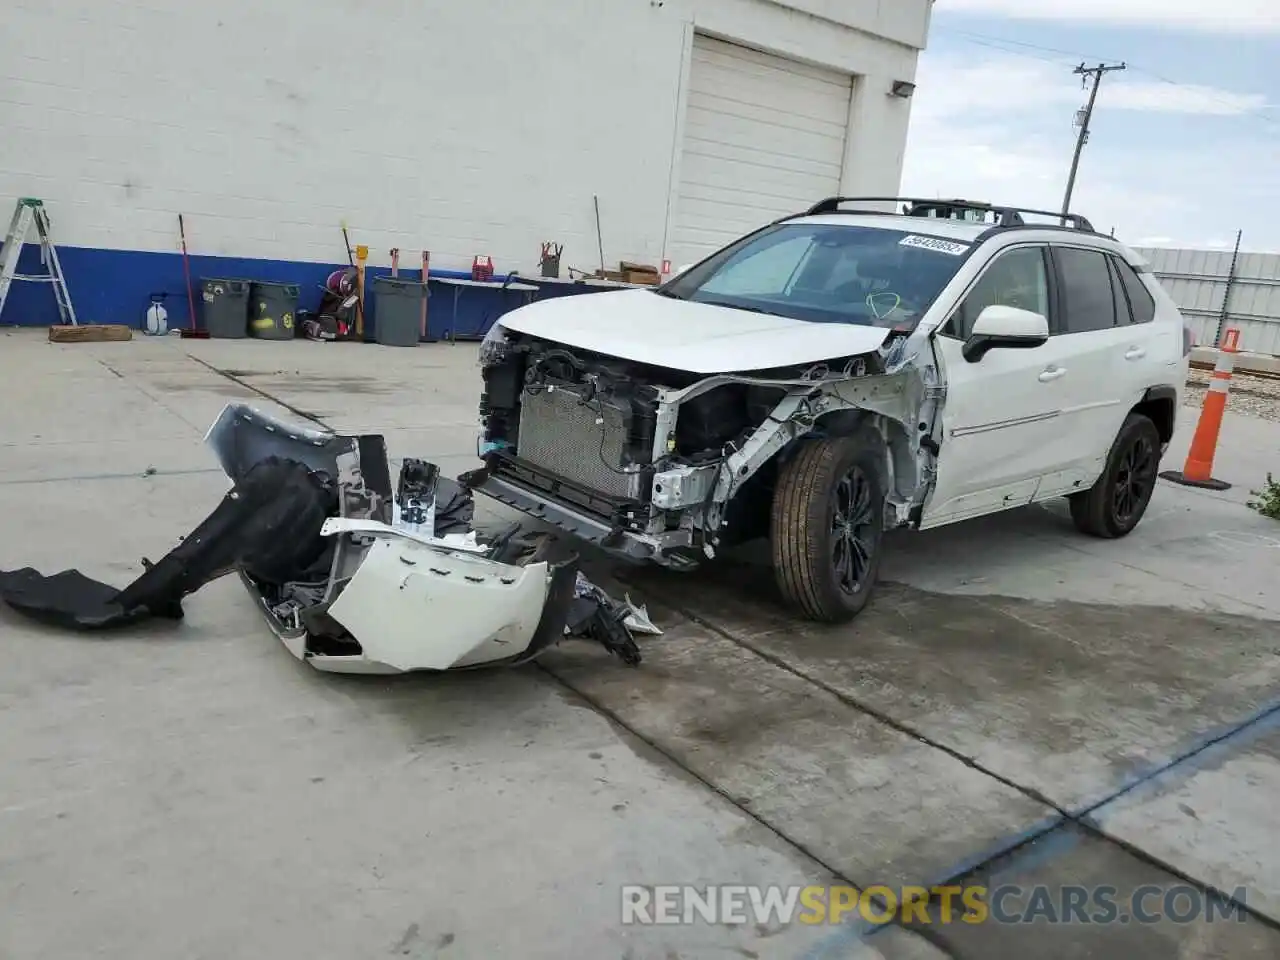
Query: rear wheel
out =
(827, 525)
(1113, 506)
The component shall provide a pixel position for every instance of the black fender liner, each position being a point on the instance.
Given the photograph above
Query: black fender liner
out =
(1160, 403)
(268, 524)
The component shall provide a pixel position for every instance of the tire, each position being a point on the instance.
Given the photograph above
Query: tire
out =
(1113, 506)
(810, 503)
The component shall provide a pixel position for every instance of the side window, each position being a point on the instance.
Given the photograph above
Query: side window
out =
(1017, 278)
(1140, 299)
(1121, 299)
(1086, 290)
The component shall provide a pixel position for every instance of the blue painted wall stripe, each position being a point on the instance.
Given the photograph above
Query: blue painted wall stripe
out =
(115, 286)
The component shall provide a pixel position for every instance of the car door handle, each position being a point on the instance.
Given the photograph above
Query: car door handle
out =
(1052, 373)
(1135, 353)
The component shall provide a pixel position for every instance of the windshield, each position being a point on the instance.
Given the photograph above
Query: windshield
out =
(827, 273)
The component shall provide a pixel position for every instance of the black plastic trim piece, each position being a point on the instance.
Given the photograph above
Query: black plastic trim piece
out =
(1010, 216)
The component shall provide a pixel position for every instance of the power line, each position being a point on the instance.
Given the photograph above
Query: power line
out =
(1072, 54)
(1085, 73)
(1004, 44)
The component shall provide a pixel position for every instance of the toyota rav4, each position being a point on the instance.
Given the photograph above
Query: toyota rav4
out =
(835, 374)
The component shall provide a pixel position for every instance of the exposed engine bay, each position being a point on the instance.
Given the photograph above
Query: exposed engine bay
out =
(666, 465)
(350, 575)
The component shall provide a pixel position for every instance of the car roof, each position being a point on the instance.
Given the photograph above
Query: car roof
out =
(964, 230)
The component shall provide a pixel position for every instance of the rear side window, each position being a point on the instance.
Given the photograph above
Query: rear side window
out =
(1121, 299)
(1087, 294)
(1140, 301)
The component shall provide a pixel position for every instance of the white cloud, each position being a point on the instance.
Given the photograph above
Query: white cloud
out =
(949, 84)
(1220, 16)
(1000, 130)
(1161, 97)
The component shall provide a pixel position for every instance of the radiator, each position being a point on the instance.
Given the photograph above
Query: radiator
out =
(559, 433)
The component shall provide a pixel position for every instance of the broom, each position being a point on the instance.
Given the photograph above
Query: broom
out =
(191, 333)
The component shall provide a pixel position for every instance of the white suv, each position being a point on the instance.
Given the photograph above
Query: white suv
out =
(834, 374)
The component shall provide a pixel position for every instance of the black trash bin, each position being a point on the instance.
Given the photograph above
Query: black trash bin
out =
(397, 320)
(273, 310)
(225, 308)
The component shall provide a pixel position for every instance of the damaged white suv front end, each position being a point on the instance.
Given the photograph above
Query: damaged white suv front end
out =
(656, 423)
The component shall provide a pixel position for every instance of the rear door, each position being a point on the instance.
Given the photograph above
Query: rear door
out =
(1099, 356)
(1153, 348)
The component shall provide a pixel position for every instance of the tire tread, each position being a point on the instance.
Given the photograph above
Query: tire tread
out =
(1089, 507)
(799, 520)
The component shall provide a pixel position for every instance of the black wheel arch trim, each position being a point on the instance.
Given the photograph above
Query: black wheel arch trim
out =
(1162, 392)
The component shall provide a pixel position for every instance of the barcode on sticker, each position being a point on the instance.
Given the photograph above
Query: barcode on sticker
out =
(933, 243)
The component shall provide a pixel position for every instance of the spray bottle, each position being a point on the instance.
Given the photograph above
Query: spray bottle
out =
(157, 316)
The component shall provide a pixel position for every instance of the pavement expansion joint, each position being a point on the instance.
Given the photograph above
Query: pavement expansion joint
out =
(1080, 817)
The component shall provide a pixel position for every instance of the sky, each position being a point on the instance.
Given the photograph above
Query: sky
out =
(1184, 148)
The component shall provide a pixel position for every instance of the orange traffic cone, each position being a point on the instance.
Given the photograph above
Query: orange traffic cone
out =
(1198, 470)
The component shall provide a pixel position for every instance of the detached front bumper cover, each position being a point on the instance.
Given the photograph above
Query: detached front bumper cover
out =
(347, 576)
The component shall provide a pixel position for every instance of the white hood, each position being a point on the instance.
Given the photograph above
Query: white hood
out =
(643, 326)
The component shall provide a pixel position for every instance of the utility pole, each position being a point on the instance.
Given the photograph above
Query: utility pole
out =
(1085, 116)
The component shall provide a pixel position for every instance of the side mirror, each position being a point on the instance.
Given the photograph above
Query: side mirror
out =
(1008, 327)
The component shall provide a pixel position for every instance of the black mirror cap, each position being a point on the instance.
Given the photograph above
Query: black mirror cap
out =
(977, 346)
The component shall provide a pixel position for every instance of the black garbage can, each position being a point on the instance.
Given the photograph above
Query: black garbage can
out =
(225, 307)
(397, 319)
(273, 310)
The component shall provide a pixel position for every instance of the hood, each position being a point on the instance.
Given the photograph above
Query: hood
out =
(643, 326)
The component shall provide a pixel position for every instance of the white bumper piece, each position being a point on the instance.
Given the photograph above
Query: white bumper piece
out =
(415, 607)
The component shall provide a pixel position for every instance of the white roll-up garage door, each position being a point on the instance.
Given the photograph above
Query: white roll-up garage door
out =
(764, 136)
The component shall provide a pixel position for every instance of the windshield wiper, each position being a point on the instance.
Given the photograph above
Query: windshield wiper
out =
(735, 306)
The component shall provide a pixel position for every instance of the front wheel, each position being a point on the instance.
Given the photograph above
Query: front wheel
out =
(1113, 506)
(827, 525)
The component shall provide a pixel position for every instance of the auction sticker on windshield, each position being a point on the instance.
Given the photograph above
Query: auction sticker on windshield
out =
(933, 243)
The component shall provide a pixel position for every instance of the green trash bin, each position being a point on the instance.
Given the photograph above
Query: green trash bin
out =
(225, 307)
(273, 310)
(397, 319)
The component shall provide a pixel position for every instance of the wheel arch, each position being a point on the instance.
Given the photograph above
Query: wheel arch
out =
(899, 452)
(1160, 405)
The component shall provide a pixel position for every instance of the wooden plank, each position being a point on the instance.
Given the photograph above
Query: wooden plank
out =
(90, 333)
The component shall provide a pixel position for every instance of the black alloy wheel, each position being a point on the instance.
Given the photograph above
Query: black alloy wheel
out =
(1135, 478)
(852, 536)
(1119, 498)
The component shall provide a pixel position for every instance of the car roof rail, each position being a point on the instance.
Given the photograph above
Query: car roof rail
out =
(1006, 216)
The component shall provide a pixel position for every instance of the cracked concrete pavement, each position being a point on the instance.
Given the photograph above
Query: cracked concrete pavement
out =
(1018, 705)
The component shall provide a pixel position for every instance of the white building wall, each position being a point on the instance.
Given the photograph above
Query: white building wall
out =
(460, 127)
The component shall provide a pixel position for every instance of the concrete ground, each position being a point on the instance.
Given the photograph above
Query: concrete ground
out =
(1019, 705)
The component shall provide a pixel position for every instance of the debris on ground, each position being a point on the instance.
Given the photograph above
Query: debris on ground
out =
(349, 576)
(594, 614)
